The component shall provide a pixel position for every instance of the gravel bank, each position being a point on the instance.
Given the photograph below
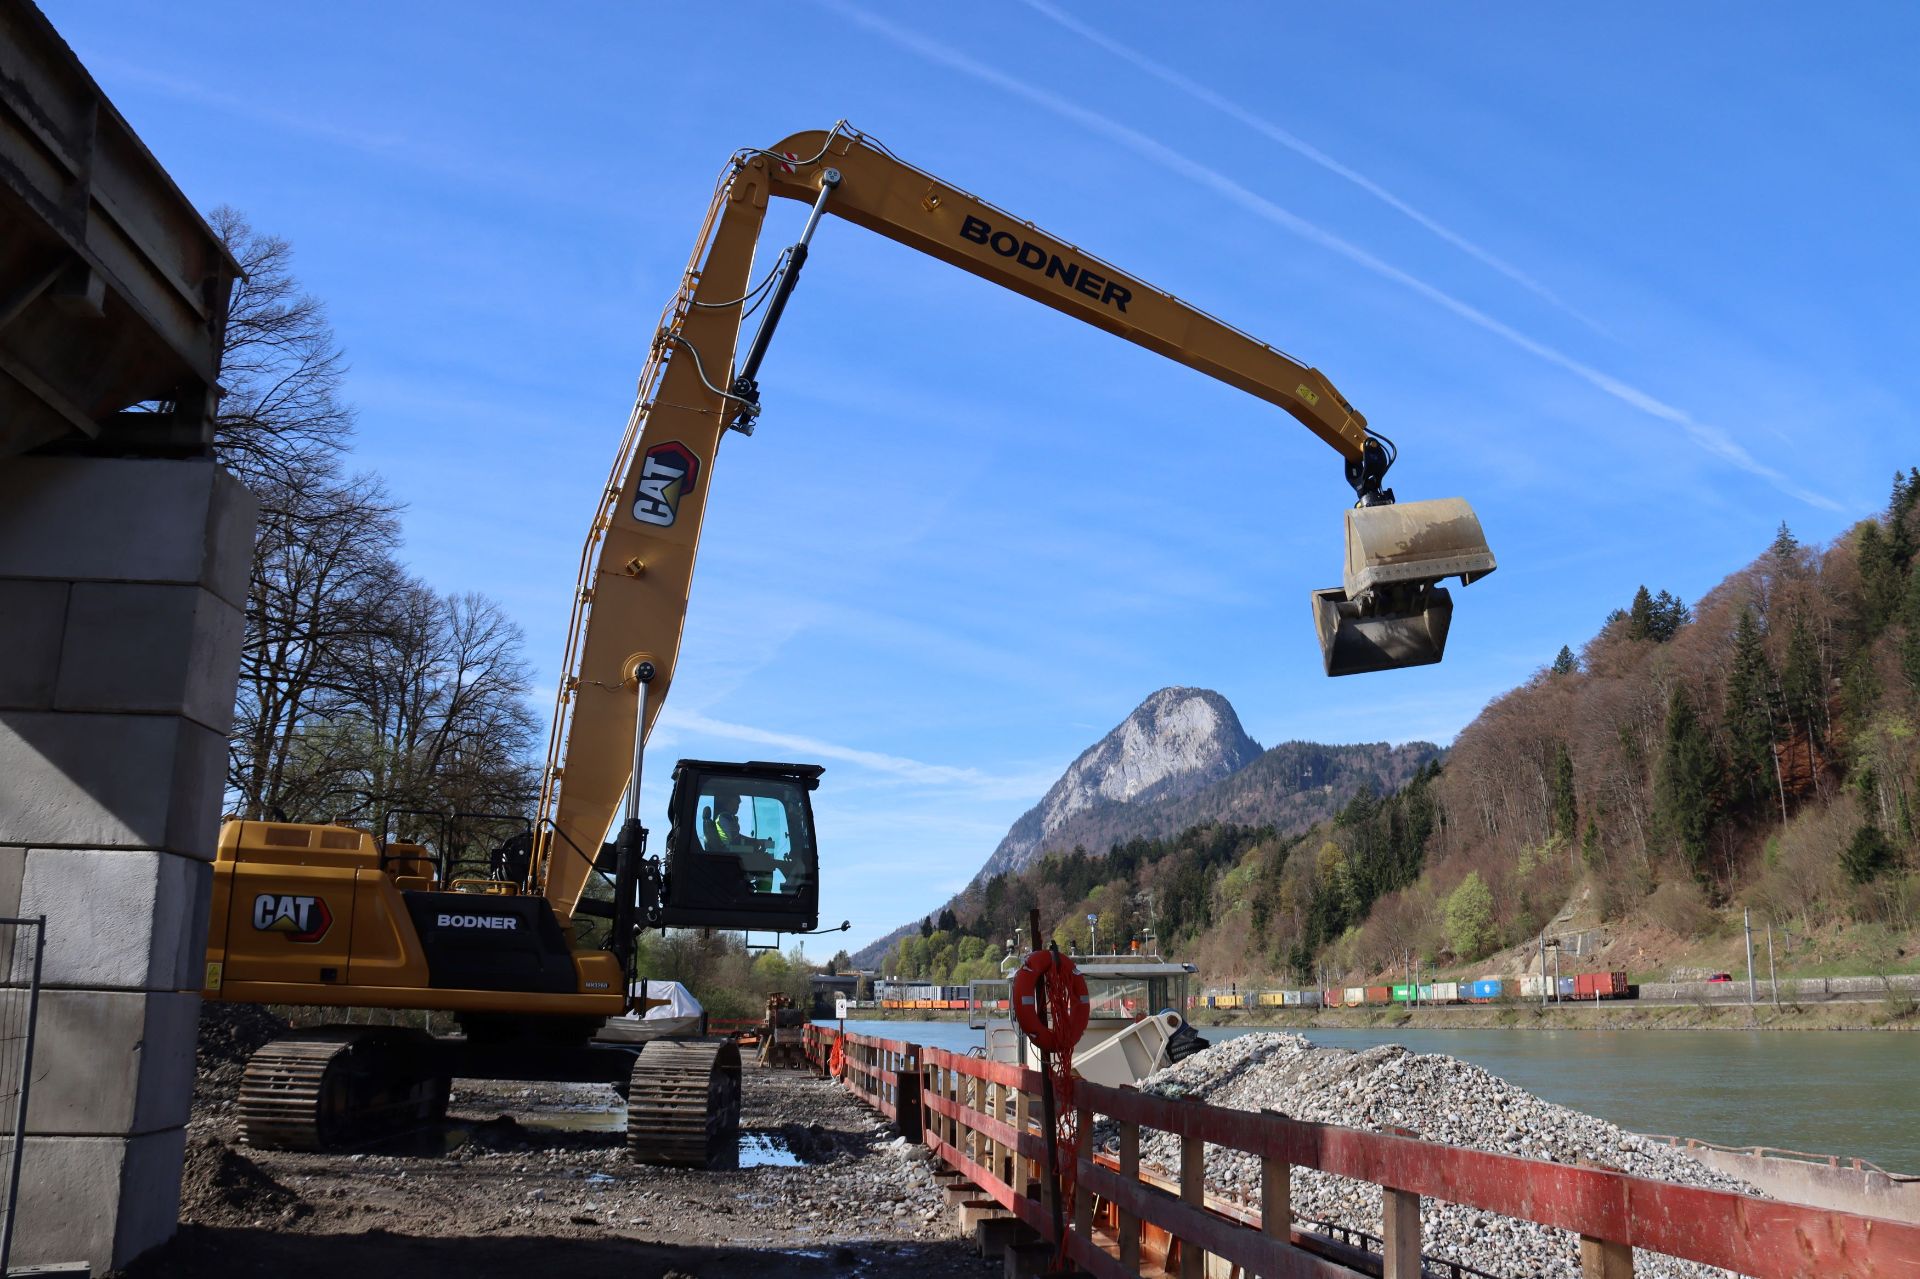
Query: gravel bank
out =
(1440, 1098)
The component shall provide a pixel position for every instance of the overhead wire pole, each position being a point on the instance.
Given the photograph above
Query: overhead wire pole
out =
(1746, 922)
(1772, 979)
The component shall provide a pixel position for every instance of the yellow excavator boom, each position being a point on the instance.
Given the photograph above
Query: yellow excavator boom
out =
(637, 566)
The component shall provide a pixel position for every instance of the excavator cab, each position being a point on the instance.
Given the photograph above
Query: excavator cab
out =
(1390, 610)
(740, 847)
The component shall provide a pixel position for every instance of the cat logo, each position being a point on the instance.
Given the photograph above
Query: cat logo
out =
(300, 918)
(667, 474)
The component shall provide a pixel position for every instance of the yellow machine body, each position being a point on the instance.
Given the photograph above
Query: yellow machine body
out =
(312, 914)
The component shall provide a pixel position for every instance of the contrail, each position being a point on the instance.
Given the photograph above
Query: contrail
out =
(1710, 438)
(1299, 146)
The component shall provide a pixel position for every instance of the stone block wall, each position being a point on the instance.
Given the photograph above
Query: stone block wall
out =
(122, 595)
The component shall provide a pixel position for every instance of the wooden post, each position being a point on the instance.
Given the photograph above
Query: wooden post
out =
(1082, 1154)
(1129, 1224)
(1276, 1194)
(1022, 1117)
(1193, 1190)
(995, 1151)
(1399, 1234)
(1600, 1259)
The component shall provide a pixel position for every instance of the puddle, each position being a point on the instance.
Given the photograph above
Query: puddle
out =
(766, 1150)
(575, 1120)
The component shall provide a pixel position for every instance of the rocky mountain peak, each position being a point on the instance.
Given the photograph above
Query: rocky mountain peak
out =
(1176, 742)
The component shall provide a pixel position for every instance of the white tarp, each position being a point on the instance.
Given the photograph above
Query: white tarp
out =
(680, 1000)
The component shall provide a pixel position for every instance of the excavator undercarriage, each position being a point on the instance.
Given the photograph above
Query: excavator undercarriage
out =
(342, 1086)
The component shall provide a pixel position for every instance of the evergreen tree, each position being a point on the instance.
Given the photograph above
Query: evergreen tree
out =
(1879, 576)
(947, 923)
(1900, 535)
(1910, 644)
(1590, 846)
(1785, 544)
(1669, 615)
(1640, 615)
(926, 929)
(1565, 663)
(1566, 818)
(1870, 853)
(1656, 617)
(1684, 793)
(1749, 713)
(1800, 684)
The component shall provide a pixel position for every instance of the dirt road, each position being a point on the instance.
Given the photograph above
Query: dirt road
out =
(534, 1179)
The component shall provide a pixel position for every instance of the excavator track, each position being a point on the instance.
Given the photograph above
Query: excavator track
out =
(336, 1087)
(683, 1104)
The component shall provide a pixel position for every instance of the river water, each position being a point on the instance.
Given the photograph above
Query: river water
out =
(1827, 1092)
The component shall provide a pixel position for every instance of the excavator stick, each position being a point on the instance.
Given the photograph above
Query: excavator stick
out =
(1391, 610)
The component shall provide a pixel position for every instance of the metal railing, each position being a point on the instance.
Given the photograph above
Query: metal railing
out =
(24, 942)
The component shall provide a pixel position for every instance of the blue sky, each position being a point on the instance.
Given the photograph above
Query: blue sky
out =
(1636, 281)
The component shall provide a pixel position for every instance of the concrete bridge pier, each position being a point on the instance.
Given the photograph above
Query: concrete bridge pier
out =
(122, 589)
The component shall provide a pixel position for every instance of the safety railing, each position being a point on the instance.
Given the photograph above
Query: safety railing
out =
(885, 1074)
(23, 943)
(979, 1118)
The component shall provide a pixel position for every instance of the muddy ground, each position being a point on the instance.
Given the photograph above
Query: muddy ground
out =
(534, 1179)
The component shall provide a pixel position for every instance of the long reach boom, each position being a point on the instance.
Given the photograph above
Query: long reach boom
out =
(637, 566)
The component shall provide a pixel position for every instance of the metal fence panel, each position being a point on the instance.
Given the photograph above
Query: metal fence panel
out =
(24, 943)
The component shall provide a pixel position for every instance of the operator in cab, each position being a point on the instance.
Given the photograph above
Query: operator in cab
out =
(723, 834)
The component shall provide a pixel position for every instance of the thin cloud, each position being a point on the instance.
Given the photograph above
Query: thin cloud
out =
(1711, 439)
(200, 94)
(909, 770)
(1299, 146)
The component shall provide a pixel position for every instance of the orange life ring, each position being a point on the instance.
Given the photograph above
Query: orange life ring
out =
(1065, 1031)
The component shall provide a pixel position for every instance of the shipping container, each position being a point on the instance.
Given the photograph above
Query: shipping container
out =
(1486, 989)
(1426, 992)
(1355, 995)
(1565, 985)
(1330, 997)
(1446, 992)
(1600, 985)
(1379, 994)
(1403, 994)
(1309, 999)
(1532, 986)
(1272, 998)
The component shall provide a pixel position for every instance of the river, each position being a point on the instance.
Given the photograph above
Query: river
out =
(1828, 1092)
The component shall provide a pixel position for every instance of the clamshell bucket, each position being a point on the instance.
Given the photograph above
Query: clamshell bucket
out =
(1392, 611)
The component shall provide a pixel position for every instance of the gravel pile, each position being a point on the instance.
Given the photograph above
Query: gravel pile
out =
(1439, 1098)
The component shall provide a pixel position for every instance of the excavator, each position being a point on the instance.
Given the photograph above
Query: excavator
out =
(324, 914)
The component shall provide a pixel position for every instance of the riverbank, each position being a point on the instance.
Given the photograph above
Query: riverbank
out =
(1864, 1014)
(1604, 1015)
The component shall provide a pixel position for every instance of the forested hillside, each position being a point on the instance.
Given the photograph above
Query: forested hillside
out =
(1755, 750)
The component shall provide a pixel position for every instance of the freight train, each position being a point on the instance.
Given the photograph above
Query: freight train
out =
(928, 996)
(1604, 985)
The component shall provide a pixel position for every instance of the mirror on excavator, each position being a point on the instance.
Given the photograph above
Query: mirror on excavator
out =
(1390, 610)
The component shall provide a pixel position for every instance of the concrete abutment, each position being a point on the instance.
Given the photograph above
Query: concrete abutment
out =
(122, 589)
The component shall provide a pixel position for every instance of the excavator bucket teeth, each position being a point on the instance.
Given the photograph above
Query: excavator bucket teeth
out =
(1391, 611)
